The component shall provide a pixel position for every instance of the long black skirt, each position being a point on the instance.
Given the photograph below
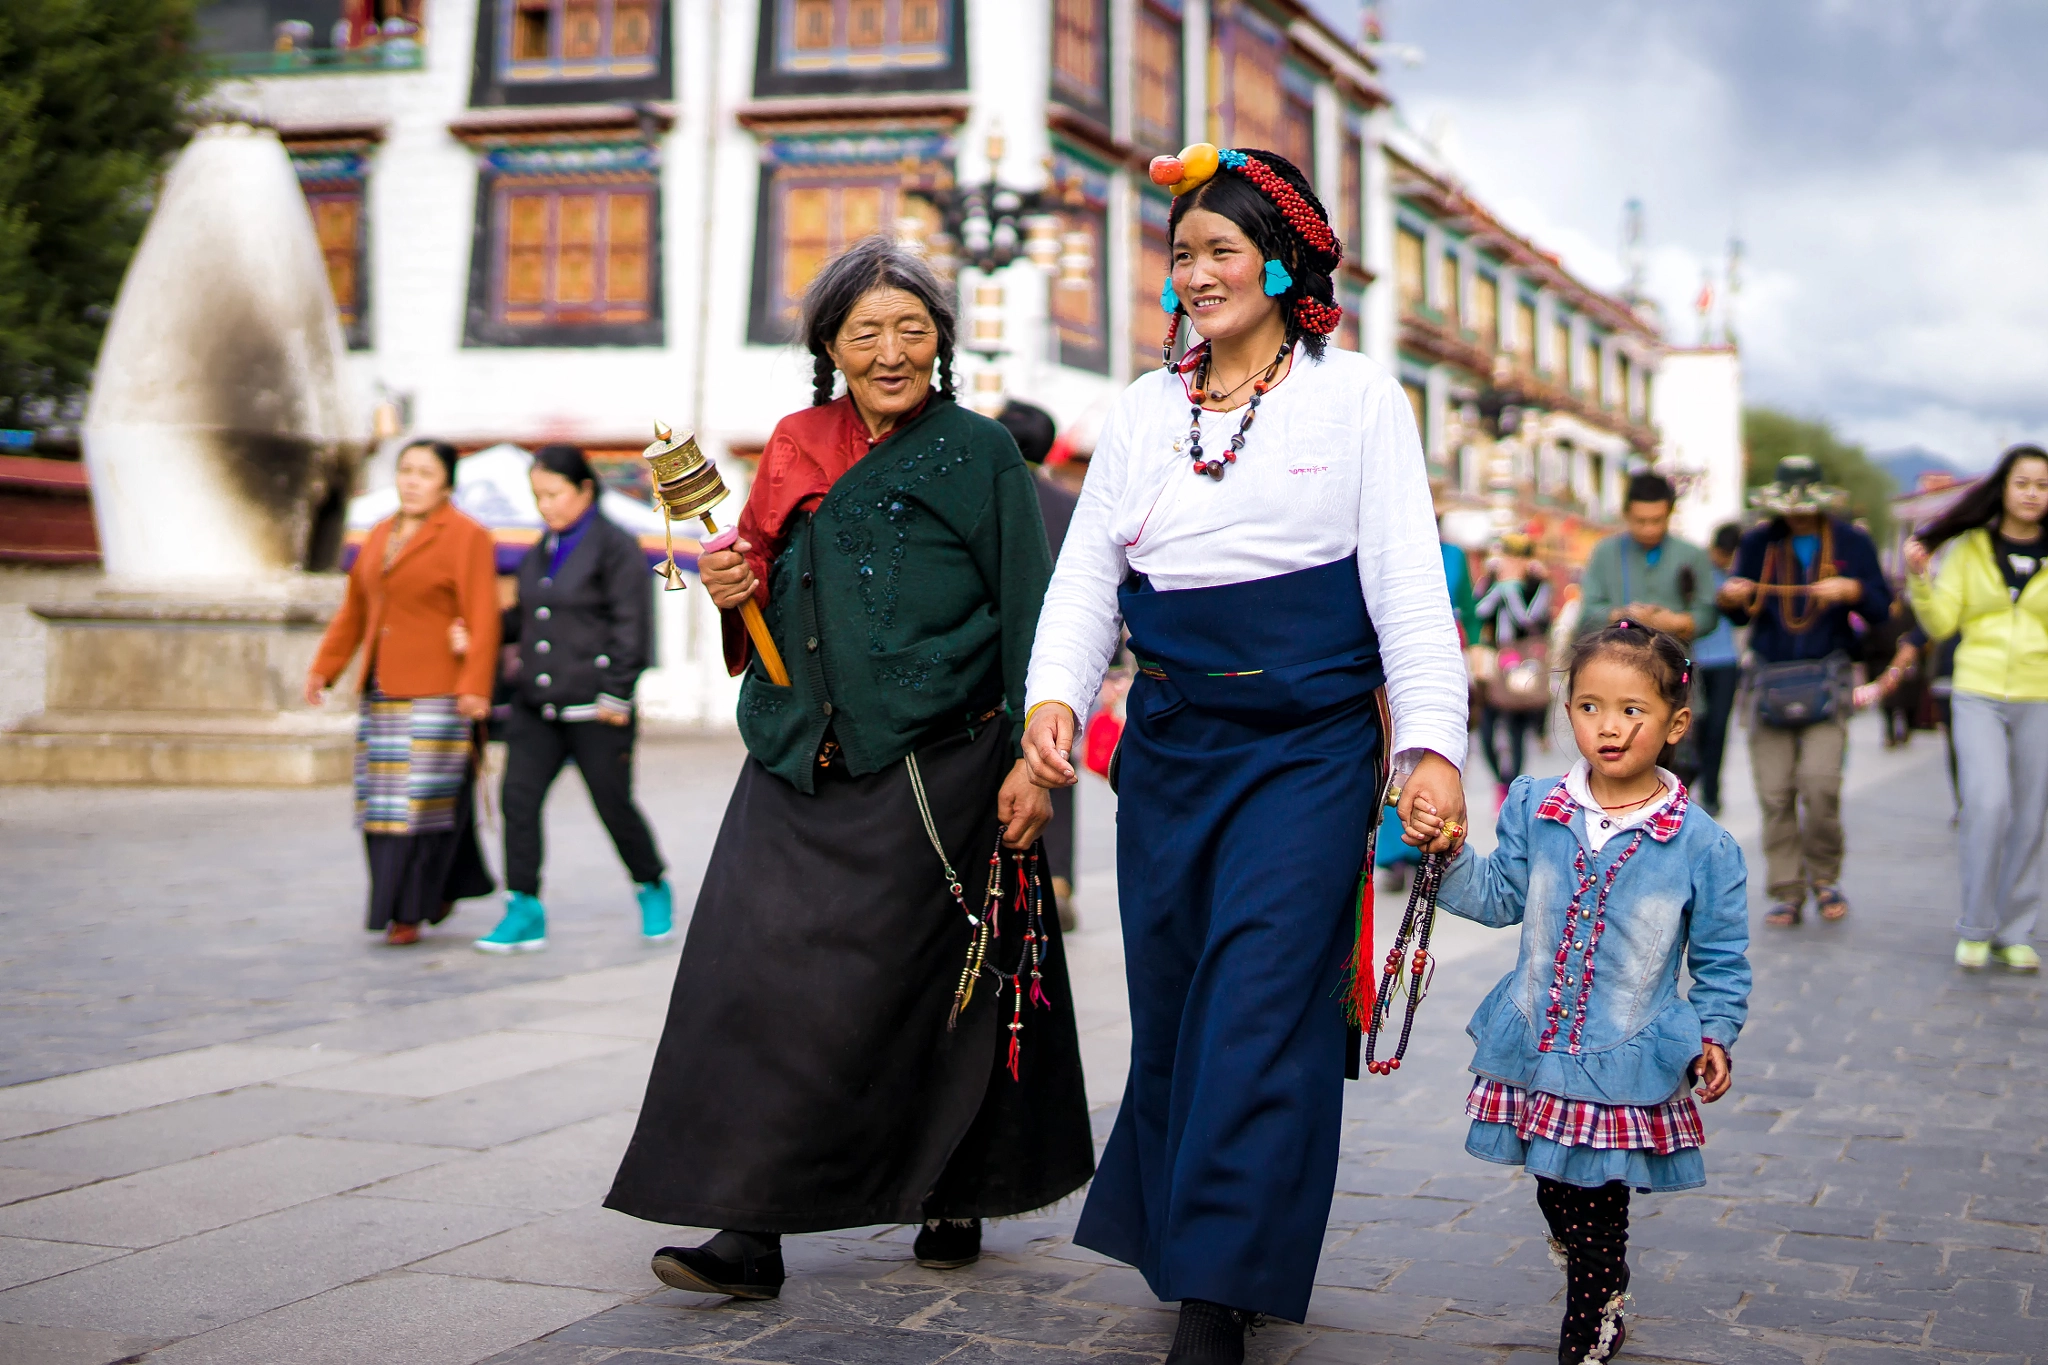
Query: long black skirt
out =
(417, 878)
(806, 1079)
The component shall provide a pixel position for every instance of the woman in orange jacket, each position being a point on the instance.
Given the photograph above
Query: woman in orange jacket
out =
(423, 605)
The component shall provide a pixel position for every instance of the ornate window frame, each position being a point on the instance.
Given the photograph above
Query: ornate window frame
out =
(773, 77)
(334, 176)
(1151, 259)
(609, 168)
(1092, 96)
(1085, 346)
(491, 85)
(825, 158)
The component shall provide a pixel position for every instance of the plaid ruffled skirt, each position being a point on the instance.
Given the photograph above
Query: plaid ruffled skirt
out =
(1581, 1142)
(412, 754)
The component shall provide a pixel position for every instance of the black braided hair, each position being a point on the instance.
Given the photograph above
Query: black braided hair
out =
(874, 262)
(1235, 197)
(1660, 656)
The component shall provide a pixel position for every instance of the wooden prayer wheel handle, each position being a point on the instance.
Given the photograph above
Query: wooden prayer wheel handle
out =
(757, 628)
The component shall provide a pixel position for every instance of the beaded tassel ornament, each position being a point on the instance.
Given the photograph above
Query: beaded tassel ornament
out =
(985, 929)
(1416, 924)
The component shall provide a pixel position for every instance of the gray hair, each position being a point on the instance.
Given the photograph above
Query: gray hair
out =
(876, 262)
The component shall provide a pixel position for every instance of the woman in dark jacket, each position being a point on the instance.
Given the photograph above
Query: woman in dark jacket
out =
(871, 1021)
(583, 624)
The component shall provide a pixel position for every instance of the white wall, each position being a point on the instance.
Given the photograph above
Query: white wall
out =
(1699, 413)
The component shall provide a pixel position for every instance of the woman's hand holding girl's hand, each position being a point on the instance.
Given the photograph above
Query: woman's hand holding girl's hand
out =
(472, 707)
(727, 577)
(1024, 807)
(1917, 557)
(1049, 746)
(1716, 1072)
(458, 637)
(1421, 825)
(1432, 803)
(316, 688)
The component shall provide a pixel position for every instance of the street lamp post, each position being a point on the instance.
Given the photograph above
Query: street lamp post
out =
(985, 228)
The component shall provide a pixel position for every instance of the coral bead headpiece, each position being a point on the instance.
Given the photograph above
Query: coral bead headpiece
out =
(1198, 164)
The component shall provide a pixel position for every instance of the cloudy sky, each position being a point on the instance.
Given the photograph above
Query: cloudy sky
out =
(1885, 163)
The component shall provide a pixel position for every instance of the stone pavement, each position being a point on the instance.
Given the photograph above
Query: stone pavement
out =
(263, 1138)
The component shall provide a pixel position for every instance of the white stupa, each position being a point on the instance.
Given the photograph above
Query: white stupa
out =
(220, 438)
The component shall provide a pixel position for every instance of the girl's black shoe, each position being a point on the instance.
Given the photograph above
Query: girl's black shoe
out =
(948, 1243)
(700, 1270)
(1210, 1334)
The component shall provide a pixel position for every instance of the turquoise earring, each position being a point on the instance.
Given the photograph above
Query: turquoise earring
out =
(1278, 281)
(1169, 302)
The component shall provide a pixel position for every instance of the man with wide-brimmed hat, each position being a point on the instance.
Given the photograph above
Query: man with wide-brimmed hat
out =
(1798, 578)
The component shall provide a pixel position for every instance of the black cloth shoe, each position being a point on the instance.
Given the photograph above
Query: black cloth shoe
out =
(948, 1243)
(700, 1270)
(1210, 1334)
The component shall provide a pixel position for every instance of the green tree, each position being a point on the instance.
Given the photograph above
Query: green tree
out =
(1769, 436)
(93, 98)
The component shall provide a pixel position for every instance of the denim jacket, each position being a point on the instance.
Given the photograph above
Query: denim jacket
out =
(1592, 1009)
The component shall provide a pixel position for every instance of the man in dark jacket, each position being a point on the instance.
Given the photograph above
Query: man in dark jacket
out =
(1798, 579)
(1032, 428)
(584, 627)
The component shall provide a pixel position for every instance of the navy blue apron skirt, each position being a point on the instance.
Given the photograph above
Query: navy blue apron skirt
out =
(1249, 783)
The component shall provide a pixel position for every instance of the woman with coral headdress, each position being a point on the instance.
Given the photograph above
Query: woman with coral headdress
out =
(1284, 593)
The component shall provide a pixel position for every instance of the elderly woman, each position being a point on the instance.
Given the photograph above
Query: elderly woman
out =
(423, 604)
(583, 624)
(1274, 578)
(871, 1021)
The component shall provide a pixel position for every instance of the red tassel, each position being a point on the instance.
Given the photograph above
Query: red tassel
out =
(1359, 996)
(1016, 1025)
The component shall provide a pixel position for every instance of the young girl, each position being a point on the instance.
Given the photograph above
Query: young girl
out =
(1587, 1046)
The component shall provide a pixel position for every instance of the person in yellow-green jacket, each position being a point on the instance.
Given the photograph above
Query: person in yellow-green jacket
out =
(1991, 588)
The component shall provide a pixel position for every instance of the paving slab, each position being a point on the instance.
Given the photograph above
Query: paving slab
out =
(417, 1319)
(24, 1344)
(175, 1132)
(220, 1277)
(587, 1247)
(458, 1063)
(124, 1088)
(20, 1122)
(568, 1168)
(187, 1197)
(486, 1116)
(24, 1260)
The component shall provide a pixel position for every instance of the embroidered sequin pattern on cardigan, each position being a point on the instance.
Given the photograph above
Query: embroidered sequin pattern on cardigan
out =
(1623, 1033)
(1582, 1050)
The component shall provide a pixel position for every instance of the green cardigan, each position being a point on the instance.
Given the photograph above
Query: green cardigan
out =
(905, 605)
(1618, 573)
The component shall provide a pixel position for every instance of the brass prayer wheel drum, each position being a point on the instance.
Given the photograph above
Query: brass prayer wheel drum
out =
(687, 484)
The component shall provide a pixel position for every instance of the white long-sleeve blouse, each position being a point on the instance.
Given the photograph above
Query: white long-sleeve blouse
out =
(1332, 465)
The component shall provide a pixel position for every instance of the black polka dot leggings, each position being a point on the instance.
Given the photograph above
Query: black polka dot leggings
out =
(1589, 1227)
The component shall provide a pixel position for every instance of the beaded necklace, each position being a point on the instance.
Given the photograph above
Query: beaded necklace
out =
(1200, 391)
(1797, 609)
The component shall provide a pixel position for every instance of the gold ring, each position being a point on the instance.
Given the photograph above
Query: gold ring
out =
(1454, 829)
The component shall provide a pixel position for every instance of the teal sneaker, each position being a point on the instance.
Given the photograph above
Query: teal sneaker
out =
(1973, 955)
(523, 930)
(657, 912)
(2018, 957)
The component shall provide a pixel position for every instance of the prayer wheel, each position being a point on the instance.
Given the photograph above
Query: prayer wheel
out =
(688, 486)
